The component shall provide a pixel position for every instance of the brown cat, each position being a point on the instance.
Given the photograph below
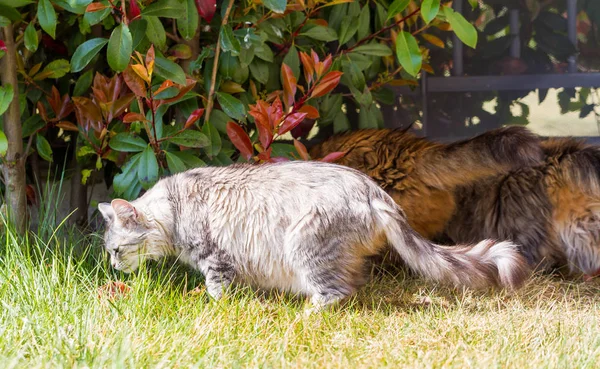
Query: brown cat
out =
(552, 210)
(505, 184)
(421, 175)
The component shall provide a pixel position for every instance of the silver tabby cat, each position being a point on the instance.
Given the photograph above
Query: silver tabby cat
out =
(304, 227)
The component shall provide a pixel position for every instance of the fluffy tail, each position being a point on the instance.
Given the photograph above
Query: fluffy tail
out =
(485, 264)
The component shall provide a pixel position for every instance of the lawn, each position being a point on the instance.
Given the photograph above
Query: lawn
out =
(52, 316)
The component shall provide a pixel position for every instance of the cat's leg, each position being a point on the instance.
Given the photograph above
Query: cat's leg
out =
(219, 274)
(217, 268)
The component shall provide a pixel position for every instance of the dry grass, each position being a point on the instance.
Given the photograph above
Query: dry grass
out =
(51, 316)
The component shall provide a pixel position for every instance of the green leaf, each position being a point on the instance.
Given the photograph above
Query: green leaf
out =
(10, 12)
(464, 30)
(188, 23)
(189, 138)
(429, 9)
(292, 60)
(374, 48)
(396, 7)
(6, 97)
(277, 6)
(474, 4)
(228, 40)
(4, 21)
(265, 53)
(147, 169)
(165, 9)
(86, 52)
(3, 144)
(176, 165)
(15, 3)
(354, 74)
(348, 29)
(127, 179)
(156, 32)
(31, 38)
(197, 64)
(341, 123)
(32, 125)
(96, 17)
(366, 118)
(260, 70)
(83, 83)
(219, 120)
(231, 106)
(169, 70)
(215, 139)
(362, 62)
(56, 69)
(43, 148)
(408, 53)
(127, 143)
(120, 47)
(189, 159)
(138, 31)
(47, 17)
(321, 33)
(85, 151)
(363, 22)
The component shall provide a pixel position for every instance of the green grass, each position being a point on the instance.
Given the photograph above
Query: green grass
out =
(51, 316)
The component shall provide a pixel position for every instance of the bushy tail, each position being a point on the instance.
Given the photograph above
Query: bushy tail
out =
(485, 264)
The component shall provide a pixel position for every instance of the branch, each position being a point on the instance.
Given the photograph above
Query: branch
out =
(384, 29)
(213, 79)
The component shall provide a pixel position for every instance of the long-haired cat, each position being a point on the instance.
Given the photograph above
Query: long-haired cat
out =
(421, 175)
(305, 227)
(551, 210)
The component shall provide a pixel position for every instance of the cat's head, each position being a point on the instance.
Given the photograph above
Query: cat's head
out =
(129, 237)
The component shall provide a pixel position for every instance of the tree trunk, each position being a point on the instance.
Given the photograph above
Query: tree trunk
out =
(14, 165)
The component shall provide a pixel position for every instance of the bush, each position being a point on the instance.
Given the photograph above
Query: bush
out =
(139, 89)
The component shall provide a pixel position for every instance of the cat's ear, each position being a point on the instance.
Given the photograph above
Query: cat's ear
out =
(125, 211)
(107, 211)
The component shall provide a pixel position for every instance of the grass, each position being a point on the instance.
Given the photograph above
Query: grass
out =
(52, 317)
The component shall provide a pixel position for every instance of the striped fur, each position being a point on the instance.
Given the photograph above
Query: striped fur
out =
(420, 175)
(305, 227)
(552, 210)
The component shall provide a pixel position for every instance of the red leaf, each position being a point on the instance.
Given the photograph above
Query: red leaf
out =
(67, 126)
(327, 84)
(2, 46)
(190, 83)
(133, 117)
(113, 289)
(330, 158)
(54, 100)
(134, 82)
(260, 112)
(265, 135)
(314, 56)
(196, 114)
(166, 84)
(206, 9)
(289, 85)
(239, 138)
(290, 122)
(134, 9)
(322, 67)
(275, 112)
(150, 60)
(95, 7)
(311, 111)
(301, 150)
(304, 128)
(42, 111)
(265, 155)
(309, 67)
